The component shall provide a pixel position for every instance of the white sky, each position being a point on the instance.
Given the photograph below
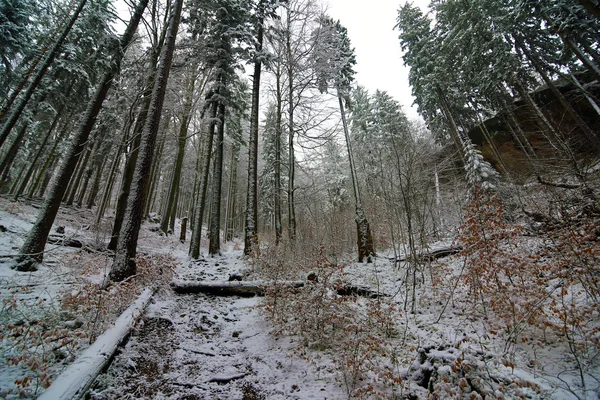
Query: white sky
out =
(379, 64)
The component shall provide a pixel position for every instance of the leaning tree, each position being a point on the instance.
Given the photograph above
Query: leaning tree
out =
(333, 63)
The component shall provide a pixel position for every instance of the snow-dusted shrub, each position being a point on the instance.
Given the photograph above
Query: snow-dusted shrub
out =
(551, 287)
(501, 277)
(458, 372)
(39, 334)
(97, 306)
(33, 338)
(357, 332)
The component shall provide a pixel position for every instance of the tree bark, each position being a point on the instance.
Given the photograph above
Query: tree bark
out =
(38, 154)
(203, 184)
(560, 143)
(131, 158)
(32, 249)
(124, 263)
(10, 155)
(214, 246)
(260, 288)
(250, 237)
(277, 200)
(592, 138)
(291, 155)
(79, 173)
(592, 6)
(231, 192)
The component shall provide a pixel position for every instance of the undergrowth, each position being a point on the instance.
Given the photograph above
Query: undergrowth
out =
(358, 332)
(40, 333)
(534, 293)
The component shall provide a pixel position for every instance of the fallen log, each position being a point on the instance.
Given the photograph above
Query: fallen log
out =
(231, 288)
(432, 255)
(258, 288)
(74, 382)
(61, 240)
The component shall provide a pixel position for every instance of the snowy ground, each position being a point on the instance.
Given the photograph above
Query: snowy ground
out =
(208, 347)
(188, 345)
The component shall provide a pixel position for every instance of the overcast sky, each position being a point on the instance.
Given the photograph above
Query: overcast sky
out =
(379, 64)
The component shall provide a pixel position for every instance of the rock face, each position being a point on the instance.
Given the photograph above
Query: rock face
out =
(511, 151)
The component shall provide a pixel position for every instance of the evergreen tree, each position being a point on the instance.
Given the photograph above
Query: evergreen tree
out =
(124, 263)
(32, 249)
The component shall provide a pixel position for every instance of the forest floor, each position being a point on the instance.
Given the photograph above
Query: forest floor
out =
(306, 344)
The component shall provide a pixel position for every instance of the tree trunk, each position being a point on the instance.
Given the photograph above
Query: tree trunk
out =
(13, 116)
(291, 156)
(214, 246)
(231, 192)
(250, 237)
(10, 155)
(181, 140)
(203, 183)
(38, 154)
(458, 142)
(124, 263)
(277, 200)
(182, 235)
(150, 195)
(592, 102)
(32, 249)
(91, 199)
(589, 64)
(80, 171)
(131, 159)
(364, 236)
(562, 147)
(40, 180)
(592, 138)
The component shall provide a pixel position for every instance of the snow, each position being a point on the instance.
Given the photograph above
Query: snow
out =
(77, 378)
(203, 346)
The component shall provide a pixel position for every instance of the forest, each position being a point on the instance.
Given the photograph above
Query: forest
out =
(199, 200)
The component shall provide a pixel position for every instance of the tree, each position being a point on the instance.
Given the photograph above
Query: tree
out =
(184, 121)
(15, 112)
(333, 61)
(32, 250)
(124, 263)
(264, 9)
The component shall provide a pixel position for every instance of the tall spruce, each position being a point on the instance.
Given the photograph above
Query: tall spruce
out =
(32, 250)
(124, 264)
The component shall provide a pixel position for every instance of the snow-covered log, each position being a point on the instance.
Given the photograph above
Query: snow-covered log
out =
(257, 288)
(74, 382)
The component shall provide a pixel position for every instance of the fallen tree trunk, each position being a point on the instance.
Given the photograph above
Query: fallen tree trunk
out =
(432, 255)
(259, 288)
(62, 240)
(74, 382)
(232, 288)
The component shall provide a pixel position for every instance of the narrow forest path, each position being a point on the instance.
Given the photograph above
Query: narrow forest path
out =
(209, 347)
